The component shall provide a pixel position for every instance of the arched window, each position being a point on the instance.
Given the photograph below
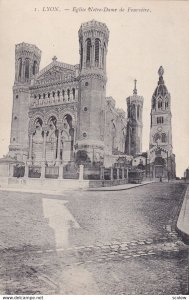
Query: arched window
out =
(19, 67)
(138, 112)
(44, 96)
(166, 105)
(73, 91)
(88, 56)
(157, 137)
(39, 96)
(53, 93)
(68, 93)
(34, 67)
(160, 120)
(49, 95)
(97, 50)
(58, 93)
(160, 104)
(63, 93)
(81, 54)
(27, 68)
(163, 138)
(103, 54)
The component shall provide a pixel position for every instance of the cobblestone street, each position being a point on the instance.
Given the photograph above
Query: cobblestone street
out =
(121, 242)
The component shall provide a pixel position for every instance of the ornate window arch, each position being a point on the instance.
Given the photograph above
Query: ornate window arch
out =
(34, 67)
(19, 67)
(97, 50)
(138, 111)
(157, 137)
(88, 54)
(81, 54)
(27, 66)
(73, 92)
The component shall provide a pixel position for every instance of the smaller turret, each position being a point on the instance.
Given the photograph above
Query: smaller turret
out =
(27, 61)
(134, 124)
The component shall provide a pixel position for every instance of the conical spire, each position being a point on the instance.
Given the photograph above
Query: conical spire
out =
(160, 73)
(135, 89)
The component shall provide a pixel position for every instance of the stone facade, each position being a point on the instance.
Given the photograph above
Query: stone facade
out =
(61, 114)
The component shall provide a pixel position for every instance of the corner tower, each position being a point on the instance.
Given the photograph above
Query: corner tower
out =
(27, 61)
(93, 43)
(134, 123)
(160, 127)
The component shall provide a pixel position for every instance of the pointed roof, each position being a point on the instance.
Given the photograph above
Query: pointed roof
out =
(161, 89)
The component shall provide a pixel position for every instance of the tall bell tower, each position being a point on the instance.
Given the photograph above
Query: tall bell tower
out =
(161, 157)
(134, 123)
(93, 43)
(27, 60)
(160, 127)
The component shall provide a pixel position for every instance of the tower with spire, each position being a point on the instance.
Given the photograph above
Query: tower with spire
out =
(160, 127)
(134, 123)
(160, 147)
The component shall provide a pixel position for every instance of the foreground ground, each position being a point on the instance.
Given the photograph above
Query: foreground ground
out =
(121, 242)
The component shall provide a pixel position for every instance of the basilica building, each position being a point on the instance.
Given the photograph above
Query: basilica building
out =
(62, 118)
(61, 113)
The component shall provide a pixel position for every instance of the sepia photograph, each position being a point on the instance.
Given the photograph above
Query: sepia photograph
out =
(94, 148)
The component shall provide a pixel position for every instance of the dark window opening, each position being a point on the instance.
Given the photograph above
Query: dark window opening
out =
(27, 68)
(88, 56)
(20, 67)
(34, 67)
(97, 49)
(73, 91)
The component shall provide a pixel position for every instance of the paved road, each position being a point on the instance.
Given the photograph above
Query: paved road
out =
(121, 242)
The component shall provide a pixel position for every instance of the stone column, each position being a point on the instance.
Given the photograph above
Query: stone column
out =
(76, 94)
(71, 95)
(66, 96)
(111, 174)
(61, 171)
(117, 173)
(58, 149)
(81, 169)
(102, 173)
(122, 172)
(26, 170)
(30, 146)
(43, 155)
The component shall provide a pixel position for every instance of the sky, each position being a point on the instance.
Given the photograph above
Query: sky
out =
(139, 43)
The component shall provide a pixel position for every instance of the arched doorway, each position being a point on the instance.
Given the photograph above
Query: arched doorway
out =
(51, 142)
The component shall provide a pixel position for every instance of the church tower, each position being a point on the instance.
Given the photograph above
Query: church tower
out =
(134, 123)
(161, 157)
(93, 43)
(160, 127)
(27, 60)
